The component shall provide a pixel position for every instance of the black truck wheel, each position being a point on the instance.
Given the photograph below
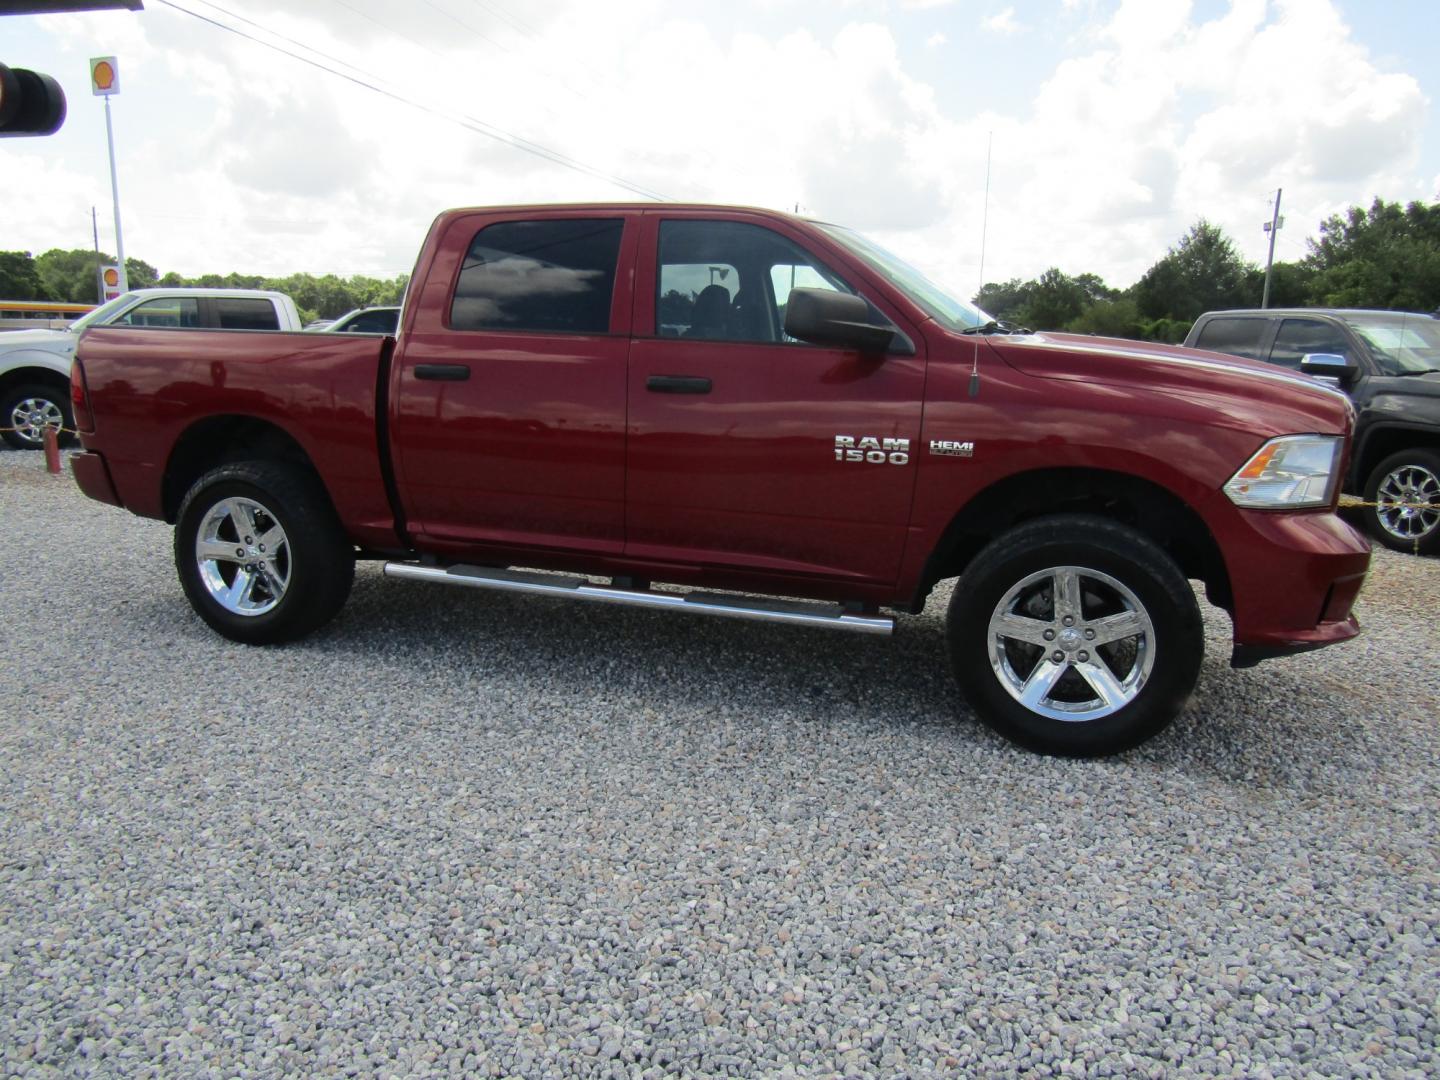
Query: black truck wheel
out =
(260, 553)
(1404, 496)
(28, 409)
(1075, 635)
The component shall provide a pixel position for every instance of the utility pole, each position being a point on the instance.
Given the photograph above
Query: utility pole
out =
(99, 270)
(1272, 227)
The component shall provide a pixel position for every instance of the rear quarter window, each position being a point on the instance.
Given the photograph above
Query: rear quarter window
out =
(238, 313)
(1238, 337)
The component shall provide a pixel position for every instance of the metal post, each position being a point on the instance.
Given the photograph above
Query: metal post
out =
(99, 263)
(1272, 228)
(115, 195)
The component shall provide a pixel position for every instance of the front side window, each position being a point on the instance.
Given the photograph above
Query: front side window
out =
(1238, 337)
(163, 311)
(1297, 338)
(544, 276)
(730, 281)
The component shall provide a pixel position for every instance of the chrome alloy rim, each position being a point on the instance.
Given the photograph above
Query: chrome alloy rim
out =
(243, 556)
(1409, 502)
(1071, 644)
(32, 416)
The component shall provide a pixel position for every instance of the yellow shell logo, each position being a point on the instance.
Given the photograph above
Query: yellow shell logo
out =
(104, 75)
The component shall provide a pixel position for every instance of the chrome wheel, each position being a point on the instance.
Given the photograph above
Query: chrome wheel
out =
(1071, 644)
(1408, 501)
(30, 416)
(243, 556)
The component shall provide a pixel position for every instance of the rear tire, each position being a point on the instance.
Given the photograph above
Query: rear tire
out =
(260, 552)
(1403, 485)
(1076, 636)
(26, 410)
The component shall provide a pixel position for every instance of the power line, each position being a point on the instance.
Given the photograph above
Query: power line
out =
(470, 123)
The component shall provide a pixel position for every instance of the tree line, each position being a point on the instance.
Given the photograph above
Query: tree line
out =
(1385, 256)
(70, 277)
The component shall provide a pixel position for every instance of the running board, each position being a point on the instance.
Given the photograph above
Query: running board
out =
(735, 607)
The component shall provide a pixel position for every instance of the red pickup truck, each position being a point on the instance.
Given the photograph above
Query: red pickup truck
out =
(586, 400)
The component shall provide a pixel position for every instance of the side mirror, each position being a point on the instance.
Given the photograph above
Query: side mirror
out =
(826, 317)
(1332, 367)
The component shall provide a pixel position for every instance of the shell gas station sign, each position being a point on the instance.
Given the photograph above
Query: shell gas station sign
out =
(110, 281)
(104, 76)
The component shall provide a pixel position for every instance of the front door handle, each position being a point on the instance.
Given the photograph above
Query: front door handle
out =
(443, 372)
(677, 384)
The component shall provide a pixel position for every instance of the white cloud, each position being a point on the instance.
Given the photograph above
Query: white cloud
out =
(1002, 22)
(935, 40)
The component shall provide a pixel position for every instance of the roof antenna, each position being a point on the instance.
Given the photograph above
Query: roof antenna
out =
(984, 228)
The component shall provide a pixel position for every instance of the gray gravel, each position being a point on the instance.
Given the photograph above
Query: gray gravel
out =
(461, 833)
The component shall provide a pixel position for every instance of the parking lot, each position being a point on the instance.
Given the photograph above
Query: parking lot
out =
(483, 834)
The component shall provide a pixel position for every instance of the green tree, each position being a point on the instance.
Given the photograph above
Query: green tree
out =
(1118, 317)
(70, 275)
(19, 279)
(1383, 257)
(1203, 272)
(1054, 300)
(1003, 299)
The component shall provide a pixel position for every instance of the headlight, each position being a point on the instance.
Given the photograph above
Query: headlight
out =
(1289, 473)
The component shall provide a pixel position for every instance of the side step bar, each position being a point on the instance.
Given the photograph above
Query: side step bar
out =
(735, 607)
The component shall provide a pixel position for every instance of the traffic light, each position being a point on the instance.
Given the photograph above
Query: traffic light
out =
(30, 103)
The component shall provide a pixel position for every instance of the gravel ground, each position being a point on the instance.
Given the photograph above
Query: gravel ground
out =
(463, 833)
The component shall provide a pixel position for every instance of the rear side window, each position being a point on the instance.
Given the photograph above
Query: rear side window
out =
(239, 313)
(1238, 337)
(1296, 337)
(547, 276)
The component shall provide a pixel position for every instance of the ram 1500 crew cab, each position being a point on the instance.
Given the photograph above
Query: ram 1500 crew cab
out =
(740, 400)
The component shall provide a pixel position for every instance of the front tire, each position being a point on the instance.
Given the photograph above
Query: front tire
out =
(1076, 636)
(28, 409)
(260, 553)
(1403, 493)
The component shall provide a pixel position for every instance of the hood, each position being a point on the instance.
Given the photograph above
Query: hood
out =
(1229, 384)
(51, 341)
(1420, 386)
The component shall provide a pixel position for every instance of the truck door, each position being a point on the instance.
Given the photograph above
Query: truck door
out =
(748, 449)
(508, 393)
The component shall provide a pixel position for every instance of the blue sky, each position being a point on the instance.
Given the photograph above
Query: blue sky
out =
(1116, 124)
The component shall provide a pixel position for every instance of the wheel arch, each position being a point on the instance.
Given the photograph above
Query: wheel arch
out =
(1153, 511)
(34, 373)
(1382, 441)
(222, 440)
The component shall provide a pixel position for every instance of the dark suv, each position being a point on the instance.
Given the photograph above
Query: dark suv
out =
(1389, 363)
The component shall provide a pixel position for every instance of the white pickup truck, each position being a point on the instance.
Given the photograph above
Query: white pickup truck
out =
(35, 364)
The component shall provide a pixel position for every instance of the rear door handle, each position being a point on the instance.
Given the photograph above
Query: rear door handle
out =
(443, 372)
(677, 384)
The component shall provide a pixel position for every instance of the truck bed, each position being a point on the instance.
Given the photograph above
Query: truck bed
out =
(156, 392)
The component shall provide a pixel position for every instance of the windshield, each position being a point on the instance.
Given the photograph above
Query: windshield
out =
(102, 313)
(935, 300)
(1401, 344)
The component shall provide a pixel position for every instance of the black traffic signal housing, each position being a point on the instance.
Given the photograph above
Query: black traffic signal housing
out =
(30, 103)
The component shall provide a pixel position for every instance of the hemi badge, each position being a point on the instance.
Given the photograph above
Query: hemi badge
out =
(951, 448)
